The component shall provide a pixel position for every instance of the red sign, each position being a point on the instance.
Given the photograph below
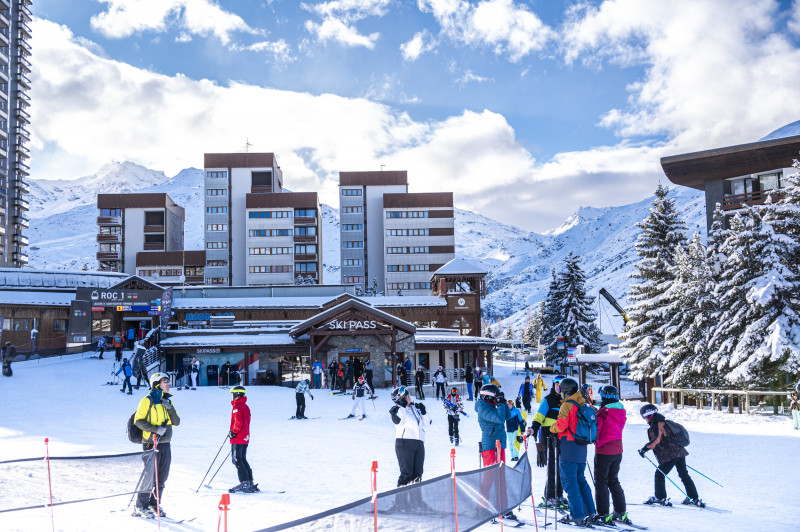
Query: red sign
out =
(98, 309)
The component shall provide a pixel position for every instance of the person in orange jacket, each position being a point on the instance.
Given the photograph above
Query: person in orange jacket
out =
(118, 346)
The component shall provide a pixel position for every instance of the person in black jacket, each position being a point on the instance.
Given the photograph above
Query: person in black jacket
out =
(469, 378)
(419, 382)
(547, 444)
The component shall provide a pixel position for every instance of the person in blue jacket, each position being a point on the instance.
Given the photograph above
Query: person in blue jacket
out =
(514, 421)
(526, 393)
(126, 367)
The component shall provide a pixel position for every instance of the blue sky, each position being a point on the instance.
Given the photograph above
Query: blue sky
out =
(526, 110)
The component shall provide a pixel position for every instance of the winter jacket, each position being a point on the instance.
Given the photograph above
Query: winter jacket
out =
(101, 342)
(302, 388)
(360, 390)
(316, 367)
(439, 377)
(156, 410)
(487, 379)
(525, 390)
(794, 404)
(539, 384)
(118, 340)
(492, 420)
(565, 426)
(662, 442)
(546, 414)
(514, 420)
(409, 423)
(610, 422)
(469, 376)
(457, 407)
(408, 366)
(240, 420)
(419, 378)
(126, 368)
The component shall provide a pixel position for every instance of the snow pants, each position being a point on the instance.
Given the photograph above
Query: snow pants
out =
(301, 405)
(553, 487)
(683, 472)
(420, 392)
(118, 354)
(578, 491)
(239, 459)
(359, 402)
(606, 478)
(317, 381)
(163, 459)
(796, 417)
(526, 402)
(452, 427)
(195, 376)
(368, 377)
(127, 382)
(440, 388)
(410, 458)
(512, 439)
(469, 391)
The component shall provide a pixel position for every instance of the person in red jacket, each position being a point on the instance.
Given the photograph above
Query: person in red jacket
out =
(608, 457)
(239, 435)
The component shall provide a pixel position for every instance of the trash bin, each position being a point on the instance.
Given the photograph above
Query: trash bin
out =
(212, 374)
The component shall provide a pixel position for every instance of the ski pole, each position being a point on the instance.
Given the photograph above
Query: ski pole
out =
(212, 463)
(667, 476)
(702, 475)
(220, 467)
(155, 488)
(590, 471)
(533, 503)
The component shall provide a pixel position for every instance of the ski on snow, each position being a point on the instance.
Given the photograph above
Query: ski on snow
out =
(301, 418)
(510, 523)
(687, 506)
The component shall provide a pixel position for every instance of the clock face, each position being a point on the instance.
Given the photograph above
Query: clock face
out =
(462, 301)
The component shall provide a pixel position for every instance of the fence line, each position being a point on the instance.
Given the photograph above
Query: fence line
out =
(679, 395)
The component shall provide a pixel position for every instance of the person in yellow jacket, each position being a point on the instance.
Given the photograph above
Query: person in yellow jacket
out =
(155, 416)
(540, 386)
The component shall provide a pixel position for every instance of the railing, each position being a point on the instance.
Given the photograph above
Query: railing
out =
(154, 228)
(305, 220)
(109, 238)
(305, 256)
(715, 398)
(260, 189)
(305, 238)
(735, 201)
(154, 246)
(108, 255)
(109, 220)
(195, 279)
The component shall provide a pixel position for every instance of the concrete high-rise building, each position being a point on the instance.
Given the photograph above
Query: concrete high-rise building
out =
(15, 83)
(131, 223)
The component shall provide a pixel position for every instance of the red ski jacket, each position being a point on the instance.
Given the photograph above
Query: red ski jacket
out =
(240, 420)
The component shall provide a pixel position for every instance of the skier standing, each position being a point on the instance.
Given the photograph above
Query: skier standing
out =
(453, 406)
(419, 382)
(540, 386)
(794, 406)
(360, 391)
(155, 415)
(547, 444)
(317, 369)
(239, 435)
(441, 380)
(368, 374)
(410, 422)
(469, 377)
(300, 397)
(194, 369)
(333, 369)
(118, 346)
(608, 457)
(478, 382)
(669, 454)
(340, 374)
(408, 366)
(513, 423)
(126, 368)
(573, 456)
(9, 353)
(526, 393)
(101, 346)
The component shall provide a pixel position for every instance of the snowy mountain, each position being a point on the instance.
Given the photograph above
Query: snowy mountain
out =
(63, 235)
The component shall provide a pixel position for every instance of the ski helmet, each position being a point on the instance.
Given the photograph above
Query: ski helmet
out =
(399, 395)
(557, 379)
(489, 393)
(156, 378)
(237, 391)
(361, 380)
(648, 411)
(567, 386)
(307, 381)
(453, 391)
(609, 392)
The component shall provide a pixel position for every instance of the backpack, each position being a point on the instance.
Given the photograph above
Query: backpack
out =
(586, 428)
(135, 434)
(679, 432)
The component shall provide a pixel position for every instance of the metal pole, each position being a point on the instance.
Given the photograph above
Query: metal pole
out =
(212, 463)
(455, 490)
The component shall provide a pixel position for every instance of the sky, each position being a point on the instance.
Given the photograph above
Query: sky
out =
(526, 110)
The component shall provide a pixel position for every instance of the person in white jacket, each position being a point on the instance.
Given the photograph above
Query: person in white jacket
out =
(410, 421)
(441, 381)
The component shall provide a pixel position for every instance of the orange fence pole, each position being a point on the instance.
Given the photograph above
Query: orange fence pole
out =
(497, 460)
(533, 503)
(453, 472)
(50, 483)
(224, 502)
(374, 471)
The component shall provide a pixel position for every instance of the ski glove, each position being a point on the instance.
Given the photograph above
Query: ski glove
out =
(421, 408)
(643, 450)
(161, 430)
(231, 434)
(395, 418)
(541, 458)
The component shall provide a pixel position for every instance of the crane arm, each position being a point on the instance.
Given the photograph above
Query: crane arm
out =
(610, 299)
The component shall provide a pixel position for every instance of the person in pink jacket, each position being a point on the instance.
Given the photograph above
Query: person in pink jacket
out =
(608, 457)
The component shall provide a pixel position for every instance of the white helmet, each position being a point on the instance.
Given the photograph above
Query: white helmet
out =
(156, 378)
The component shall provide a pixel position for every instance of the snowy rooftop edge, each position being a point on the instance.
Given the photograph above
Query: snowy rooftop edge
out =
(27, 297)
(228, 340)
(452, 339)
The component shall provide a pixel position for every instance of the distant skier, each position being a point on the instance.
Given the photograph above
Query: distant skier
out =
(317, 370)
(239, 435)
(478, 381)
(453, 406)
(469, 378)
(9, 353)
(419, 382)
(441, 381)
(101, 346)
(300, 396)
(118, 344)
(608, 457)
(540, 386)
(194, 372)
(588, 393)
(410, 421)
(526, 394)
(126, 368)
(360, 392)
(669, 454)
(794, 407)
(333, 369)
(408, 366)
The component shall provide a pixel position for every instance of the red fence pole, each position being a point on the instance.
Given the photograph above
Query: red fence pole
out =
(50, 483)
(535, 521)
(224, 502)
(374, 471)
(497, 460)
(155, 488)
(453, 472)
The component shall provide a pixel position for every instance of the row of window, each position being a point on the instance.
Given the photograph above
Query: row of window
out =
(110, 212)
(216, 192)
(407, 232)
(406, 214)
(352, 227)
(352, 210)
(350, 279)
(407, 250)
(216, 245)
(110, 229)
(216, 210)
(353, 244)
(305, 213)
(109, 248)
(216, 280)
(217, 174)
(24, 324)
(305, 267)
(408, 267)
(407, 286)
(352, 262)
(216, 263)
(269, 251)
(269, 232)
(351, 192)
(282, 268)
(163, 272)
(305, 249)
(216, 227)
(269, 214)
(194, 271)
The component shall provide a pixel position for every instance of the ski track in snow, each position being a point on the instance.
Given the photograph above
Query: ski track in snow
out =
(322, 463)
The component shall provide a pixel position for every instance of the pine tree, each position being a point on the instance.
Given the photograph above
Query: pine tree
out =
(662, 232)
(552, 322)
(533, 329)
(579, 316)
(509, 334)
(785, 217)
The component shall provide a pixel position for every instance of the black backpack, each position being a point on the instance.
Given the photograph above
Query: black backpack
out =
(135, 434)
(679, 432)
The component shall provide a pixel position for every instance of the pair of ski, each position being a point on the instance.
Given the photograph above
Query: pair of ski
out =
(688, 506)
(617, 525)
(302, 418)
(362, 418)
(510, 523)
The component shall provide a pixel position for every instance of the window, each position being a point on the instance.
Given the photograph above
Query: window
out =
(261, 179)
(352, 244)
(154, 218)
(310, 249)
(108, 248)
(110, 212)
(406, 250)
(194, 271)
(217, 280)
(215, 263)
(770, 181)
(216, 192)
(351, 192)
(352, 210)
(406, 232)
(305, 213)
(350, 279)
(305, 231)
(407, 267)
(163, 272)
(60, 325)
(270, 214)
(352, 262)
(742, 186)
(282, 268)
(406, 214)
(305, 267)
(407, 286)
(269, 232)
(269, 251)
(20, 324)
(154, 239)
(216, 210)
(216, 245)
(217, 175)
(110, 230)
(216, 227)
(352, 227)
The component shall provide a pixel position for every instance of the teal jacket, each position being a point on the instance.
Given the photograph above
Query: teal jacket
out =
(492, 420)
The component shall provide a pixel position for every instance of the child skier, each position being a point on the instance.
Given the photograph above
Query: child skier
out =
(441, 380)
(360, 397)
(513, 423)
(239, 435)
(453, 406)
(669, 454)
(300, 398)
(126, 367)
(608, 457)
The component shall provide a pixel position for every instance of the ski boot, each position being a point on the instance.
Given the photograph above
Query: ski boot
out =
(694, 502)
(603, 519)
(143, 512)
(552, 503)
(252, 487)
(456, 441)
(622, 518)
(585, 522)
(363, 416)
(510, 515)
(351, 415)
(515, 459)
(654, 500)
(563, 503)
(157, 511)
(238, 488)
(451, 439)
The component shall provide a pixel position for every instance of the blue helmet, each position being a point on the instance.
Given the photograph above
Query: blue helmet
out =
(609, 392)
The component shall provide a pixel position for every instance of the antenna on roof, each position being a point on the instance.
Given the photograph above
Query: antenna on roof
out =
(382, 167)
(246, 148)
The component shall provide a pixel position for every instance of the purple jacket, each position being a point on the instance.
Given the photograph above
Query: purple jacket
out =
(610, 422)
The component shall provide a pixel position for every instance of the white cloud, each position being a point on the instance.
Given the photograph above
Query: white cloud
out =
(183, 37)
(124, 18)
(422, 42)
(280, 50)
(470, 77)
(339, 18)
(509, 28)
(794, 19)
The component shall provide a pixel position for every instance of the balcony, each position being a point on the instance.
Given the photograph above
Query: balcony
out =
(22, 132)
(21, 240)
(23, 26)
(306, 238)
(305, 220)
(23, 116)
(305, 257)
(108, 255)
(195, 279)
(154, 246)
(23, 46)
(20, 258)
(260, 189)
(23, 80)
(22, 168)
(109, 238)
(22, 204)
(22, 187)
(732, 202)
(23, 95)
(153, 228)
(109, 220)
(305, 275)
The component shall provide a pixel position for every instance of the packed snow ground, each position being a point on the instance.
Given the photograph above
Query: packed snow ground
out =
(322, 463)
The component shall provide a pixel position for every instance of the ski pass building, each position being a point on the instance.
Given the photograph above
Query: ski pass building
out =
(253, 335)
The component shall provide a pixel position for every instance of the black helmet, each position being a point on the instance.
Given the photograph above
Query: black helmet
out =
(489, 393)
(609, 392)
(237, 391)
(307, 381)
(648, 411)
(567, 386)
(399, 395)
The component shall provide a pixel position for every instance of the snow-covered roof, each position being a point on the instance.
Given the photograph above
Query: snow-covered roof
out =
(602, 358)
(789, 130)
(192, 303)
(55, 279)
(352, 303)
(423, 339)
(460, 266)
(405, 301)
(43, 298)
(228, 340)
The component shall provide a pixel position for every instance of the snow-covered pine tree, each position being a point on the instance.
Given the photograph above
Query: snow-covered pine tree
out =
(662, 232)
(533, 328)
(757, 339)
(577, 308)
(509, 334)
(784, 216)
(552, 321)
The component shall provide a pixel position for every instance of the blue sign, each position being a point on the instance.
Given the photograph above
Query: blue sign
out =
(353, 350)
(198, 316)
